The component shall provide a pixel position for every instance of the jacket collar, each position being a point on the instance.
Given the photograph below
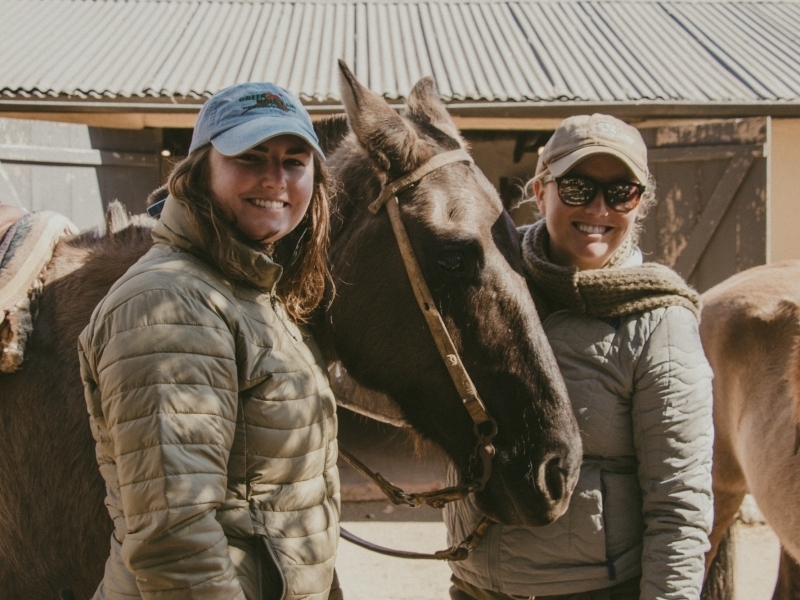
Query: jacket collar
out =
(174, 228)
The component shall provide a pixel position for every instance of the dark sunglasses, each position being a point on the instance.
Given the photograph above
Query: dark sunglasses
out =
(621, 196)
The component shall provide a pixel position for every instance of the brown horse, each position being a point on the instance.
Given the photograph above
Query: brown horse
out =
(54, 529)
(751, 334)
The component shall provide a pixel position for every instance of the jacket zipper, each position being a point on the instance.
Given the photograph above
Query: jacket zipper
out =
(260, 587)
(274, 303)
(274, 558)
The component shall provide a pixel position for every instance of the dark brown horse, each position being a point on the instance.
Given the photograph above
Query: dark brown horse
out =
(54, 529)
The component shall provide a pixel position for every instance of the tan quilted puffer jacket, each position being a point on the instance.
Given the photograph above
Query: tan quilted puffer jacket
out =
(215, 428)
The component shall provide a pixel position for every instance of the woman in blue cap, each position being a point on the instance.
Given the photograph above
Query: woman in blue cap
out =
(210, 404)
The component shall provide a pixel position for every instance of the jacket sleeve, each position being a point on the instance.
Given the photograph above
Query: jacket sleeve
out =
(673, 435)
(164, 363)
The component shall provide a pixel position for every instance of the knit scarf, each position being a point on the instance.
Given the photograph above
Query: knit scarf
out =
(613, 291)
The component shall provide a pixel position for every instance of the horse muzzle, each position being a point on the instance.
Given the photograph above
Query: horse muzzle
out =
(536, 496)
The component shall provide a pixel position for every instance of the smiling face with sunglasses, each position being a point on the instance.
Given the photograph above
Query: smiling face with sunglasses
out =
(590, 182)
(585, 226)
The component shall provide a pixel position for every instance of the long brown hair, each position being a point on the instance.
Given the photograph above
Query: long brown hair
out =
(303, 252)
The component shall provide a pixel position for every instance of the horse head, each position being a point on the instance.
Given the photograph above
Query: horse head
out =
(468, 250)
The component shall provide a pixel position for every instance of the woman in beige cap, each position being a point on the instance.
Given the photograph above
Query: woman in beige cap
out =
(626, 338)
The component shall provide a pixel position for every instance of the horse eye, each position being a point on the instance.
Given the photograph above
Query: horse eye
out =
(452, 261)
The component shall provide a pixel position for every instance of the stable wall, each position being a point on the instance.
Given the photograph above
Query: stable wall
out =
(783, 191)
(75, 169)
(495, 155)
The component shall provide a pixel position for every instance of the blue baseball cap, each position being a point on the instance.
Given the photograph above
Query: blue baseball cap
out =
(242, 116)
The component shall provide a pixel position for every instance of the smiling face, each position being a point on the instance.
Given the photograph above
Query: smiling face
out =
(264, 192)
(585, 237)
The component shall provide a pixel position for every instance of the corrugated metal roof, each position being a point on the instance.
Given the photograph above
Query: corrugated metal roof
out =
(496, 50)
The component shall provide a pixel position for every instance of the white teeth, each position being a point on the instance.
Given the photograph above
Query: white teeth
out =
(590, 228)
(266, 203)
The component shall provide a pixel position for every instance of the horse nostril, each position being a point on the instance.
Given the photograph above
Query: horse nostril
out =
(555, 478)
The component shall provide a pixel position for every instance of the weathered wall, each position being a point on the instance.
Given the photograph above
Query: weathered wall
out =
(783, 197)
(76, 170)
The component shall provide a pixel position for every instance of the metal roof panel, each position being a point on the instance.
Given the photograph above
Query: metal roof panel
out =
(478, 50)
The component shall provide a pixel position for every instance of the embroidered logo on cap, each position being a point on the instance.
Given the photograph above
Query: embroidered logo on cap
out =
(267, 100)
(603, 129)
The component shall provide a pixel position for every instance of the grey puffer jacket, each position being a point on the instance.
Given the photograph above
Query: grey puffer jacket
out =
(641, 389)
(216, 431)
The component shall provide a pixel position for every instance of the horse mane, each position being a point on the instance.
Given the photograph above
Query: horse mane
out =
(86, 265)
(331, 131)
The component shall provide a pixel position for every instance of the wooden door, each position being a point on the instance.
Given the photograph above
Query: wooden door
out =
(710, 220)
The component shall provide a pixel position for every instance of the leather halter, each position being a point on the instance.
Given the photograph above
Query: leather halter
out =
(484, 426)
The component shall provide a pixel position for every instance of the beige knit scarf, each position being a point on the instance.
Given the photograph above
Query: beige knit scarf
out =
(613, 291)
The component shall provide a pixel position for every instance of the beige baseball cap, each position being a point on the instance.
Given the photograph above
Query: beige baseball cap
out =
(583, 135)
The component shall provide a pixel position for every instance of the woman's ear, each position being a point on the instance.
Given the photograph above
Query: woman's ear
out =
(538, 194)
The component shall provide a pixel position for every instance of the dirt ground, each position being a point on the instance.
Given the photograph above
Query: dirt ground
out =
(757, 554)
(369, 576)
(366, 575)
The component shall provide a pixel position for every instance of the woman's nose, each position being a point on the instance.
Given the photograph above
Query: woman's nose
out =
(272, 176)
(598, 204)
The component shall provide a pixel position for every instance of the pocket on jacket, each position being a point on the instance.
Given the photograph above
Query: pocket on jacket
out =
(577, 538)
(585, 518)
(244, 556)
(623, 512)
(272, 581)
(257, 572)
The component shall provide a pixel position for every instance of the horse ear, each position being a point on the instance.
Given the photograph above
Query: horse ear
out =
(117, 218)
(424, 101)
(382, 132)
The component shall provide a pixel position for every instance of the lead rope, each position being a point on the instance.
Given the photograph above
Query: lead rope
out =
(453, 553)
(485, 427)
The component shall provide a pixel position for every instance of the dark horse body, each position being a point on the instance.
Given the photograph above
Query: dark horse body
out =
(54, 528)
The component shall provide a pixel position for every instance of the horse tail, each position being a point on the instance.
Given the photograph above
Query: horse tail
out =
(719, 580)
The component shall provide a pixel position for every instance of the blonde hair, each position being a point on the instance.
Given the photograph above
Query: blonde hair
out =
(303, 252)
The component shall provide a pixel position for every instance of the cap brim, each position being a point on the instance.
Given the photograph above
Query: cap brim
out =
(561, 166)
(248, 135)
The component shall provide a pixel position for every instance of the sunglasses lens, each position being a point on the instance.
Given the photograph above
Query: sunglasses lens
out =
(622, 197)
(576, 191)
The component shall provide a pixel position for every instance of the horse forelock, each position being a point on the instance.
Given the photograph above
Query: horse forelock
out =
(372, 158)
